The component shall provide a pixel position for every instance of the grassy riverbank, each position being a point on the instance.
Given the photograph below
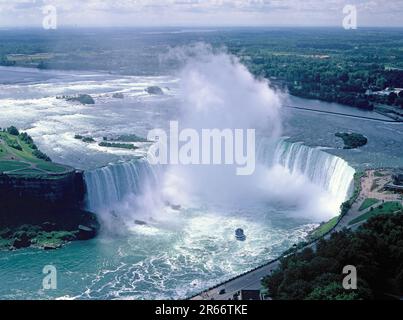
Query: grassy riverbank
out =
(19, 156)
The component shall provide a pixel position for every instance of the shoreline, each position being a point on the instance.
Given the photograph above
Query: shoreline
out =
(250, 280)
(109, 73)
(345, 114)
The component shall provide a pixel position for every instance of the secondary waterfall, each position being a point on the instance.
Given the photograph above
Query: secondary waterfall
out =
(109, 185)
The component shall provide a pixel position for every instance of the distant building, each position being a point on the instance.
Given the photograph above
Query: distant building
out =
(385, 92)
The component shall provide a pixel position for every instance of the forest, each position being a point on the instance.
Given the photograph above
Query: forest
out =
(351, 67)
(375, 249)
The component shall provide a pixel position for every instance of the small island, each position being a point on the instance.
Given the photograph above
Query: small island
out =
(128, 138)
(128, 146)
(84, 139)
(352, 140)
(81, 98)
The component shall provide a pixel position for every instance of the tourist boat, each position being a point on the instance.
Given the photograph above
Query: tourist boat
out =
(240, 235)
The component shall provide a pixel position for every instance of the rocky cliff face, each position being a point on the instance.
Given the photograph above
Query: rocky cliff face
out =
(27, 199)
(44, 212)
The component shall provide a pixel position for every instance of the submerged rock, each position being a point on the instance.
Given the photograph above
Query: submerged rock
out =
(155, 90)
(140, 223)
(81, 98)
(86, 233)
(52, 246)
(118, 95)
(176, 207)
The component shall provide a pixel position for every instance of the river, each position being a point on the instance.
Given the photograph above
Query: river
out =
(179, 251)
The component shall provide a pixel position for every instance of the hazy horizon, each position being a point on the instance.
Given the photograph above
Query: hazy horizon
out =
(196, 28)
(200, 13)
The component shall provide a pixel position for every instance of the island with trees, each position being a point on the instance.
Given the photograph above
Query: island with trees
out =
(352, 140)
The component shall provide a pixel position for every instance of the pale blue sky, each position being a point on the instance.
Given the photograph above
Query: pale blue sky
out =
(87, 13)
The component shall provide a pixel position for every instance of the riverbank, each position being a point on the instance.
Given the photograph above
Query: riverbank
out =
(197, 257)
(392, 120)
(370, 183)
(71, 225)
(374, 198)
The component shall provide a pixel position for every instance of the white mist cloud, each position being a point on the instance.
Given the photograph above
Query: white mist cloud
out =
(220, 93)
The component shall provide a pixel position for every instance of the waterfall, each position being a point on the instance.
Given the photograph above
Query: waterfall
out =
(110, 185)
(325, 170)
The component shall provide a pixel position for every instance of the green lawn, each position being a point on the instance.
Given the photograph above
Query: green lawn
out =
(387, 207)
(29, 173)
(324, 228)
(21, 156)
(368, 203)
(8, 165)
(24, 154)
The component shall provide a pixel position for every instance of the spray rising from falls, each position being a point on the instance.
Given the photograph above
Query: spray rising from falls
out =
(219, 93)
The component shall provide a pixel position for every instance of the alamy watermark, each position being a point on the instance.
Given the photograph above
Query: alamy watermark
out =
(205, 147)
(350, 280)
(350, 18)
(49, 21)
(49, 282)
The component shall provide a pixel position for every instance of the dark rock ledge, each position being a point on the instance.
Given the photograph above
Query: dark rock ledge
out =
(44, 212)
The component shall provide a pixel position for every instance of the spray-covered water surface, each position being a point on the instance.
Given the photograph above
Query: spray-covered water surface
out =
(168, 231)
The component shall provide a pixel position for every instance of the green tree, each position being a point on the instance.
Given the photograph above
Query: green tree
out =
(13, 131)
